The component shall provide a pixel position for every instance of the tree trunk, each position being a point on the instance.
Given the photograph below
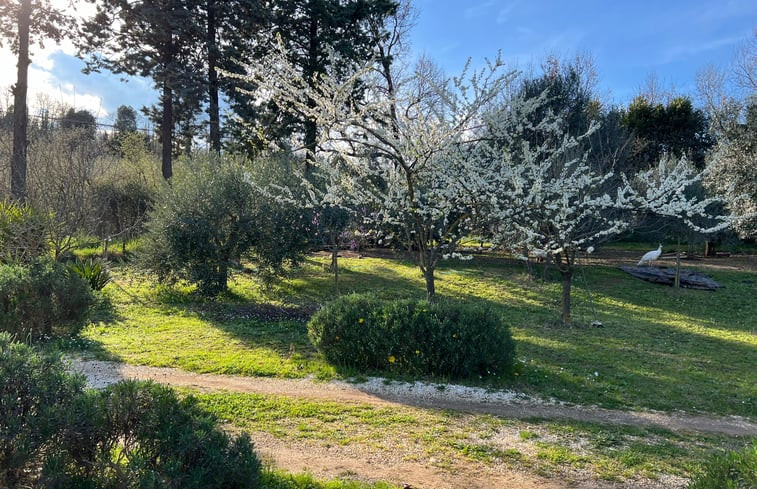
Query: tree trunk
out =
(20, 120)
(166, 131)
(311, 129)
(213, 111)
(709, 248)
(335, 262)
(677, 280)
(567, 278)
(223, 277)
(428, 274)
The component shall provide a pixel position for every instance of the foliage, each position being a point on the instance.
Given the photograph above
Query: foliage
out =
(64, 163)
(93, 271)
(732, 470)
(41, 299)
(211, 215)
(407, 157)
(24, 233)
(140, 434)
(446, 339)
(325, 37)
(35, 394)
(132, 434)
(121, 206)
(126, 121)
(733, 171)
(201, 225)
(676, 129)
(155, 39)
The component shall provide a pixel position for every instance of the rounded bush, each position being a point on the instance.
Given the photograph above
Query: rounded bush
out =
(41, 299)
(447, 339)
(160, 440)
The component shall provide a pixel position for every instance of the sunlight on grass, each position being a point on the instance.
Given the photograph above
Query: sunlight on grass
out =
(660, 348)
(605, 452)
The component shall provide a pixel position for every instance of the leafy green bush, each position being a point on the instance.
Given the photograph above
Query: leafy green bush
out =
(42, 298)
(733, 470)
(93, 271)
(24, 233)
(210, 216)
(140, 434)
(53, 433)
(36, 392)
(448, 339)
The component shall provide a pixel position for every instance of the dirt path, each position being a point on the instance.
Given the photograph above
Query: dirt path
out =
(379, 393)
(406, 465)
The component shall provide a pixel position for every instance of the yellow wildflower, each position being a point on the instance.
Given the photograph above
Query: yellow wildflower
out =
(391, 359)
(361, 320)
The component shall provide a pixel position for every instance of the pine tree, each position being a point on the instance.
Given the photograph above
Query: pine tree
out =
(155, 39)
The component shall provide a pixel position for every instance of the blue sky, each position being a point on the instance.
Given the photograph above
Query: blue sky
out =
(629, 41)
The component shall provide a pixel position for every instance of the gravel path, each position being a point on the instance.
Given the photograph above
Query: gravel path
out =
(381, 393)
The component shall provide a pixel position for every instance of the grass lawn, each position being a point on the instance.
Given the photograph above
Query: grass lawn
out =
(544, 447)
(660, 348)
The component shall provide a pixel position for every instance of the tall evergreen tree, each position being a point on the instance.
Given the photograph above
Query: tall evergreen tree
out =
(675, 129)
(155, 39)
(21, 23)
(228, 26)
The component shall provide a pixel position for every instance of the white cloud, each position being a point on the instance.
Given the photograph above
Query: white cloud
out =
(44, 87)
(477, 10)
(504, 12)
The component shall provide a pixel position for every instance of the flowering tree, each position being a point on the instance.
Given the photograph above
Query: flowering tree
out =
(405, 152)
(556, 202)
(553, 199)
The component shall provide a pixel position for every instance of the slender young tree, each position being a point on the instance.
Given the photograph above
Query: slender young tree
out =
(23, 22)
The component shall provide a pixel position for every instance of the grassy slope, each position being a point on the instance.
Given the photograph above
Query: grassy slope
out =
(661, 348)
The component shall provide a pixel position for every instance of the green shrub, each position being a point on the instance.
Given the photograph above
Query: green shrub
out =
(53, 433)
(210, 216)
(448, 339)
(41, 299)
(36, 391)
(140, 434)
(24, 233)
(733, 470)
(93, 271)
(121, 206)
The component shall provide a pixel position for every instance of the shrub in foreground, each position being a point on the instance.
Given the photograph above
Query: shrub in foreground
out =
(54, 434)
(36, 392)
(448, 339)
(733, 470)
(40, 297)
(140, 434)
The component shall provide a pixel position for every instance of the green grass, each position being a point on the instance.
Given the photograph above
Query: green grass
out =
(274, 479)
(448, 438)
(661, 348)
